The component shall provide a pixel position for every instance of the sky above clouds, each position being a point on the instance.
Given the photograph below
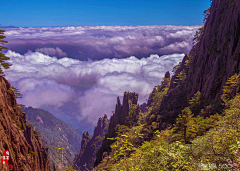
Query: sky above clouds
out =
(77, 73)
(30, 13)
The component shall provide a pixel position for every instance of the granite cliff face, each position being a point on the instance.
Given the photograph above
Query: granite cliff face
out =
(213, 59)
(119, 117)
(85, 139)
(27, 152)
(216, 57)
(90, 145)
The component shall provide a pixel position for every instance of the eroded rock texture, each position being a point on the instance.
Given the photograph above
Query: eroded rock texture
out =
(211, 61)
(27, 152)
(90, 145)
(119, 117)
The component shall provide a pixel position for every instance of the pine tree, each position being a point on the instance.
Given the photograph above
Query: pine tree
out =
(3, 58)
(184, 126)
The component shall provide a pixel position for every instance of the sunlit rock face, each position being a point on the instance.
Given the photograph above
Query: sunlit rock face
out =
(26, 149)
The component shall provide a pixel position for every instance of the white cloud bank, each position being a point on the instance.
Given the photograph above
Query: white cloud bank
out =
(99, 42)
(52, 51)
(95, 85)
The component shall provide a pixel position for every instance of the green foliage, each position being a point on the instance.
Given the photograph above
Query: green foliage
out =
(206, 13)
(198, 35)
(196, 103)
(16, 92)
(196, 100)
(157, 95)
(30, 125)
(231, 88)
(3, 58)
(188, 127)
(120, 129)
(216, 145)
(53, 133)
(131, 118)
(19, 125)
(155, 155)
(20, 106)
(184, 129)
(122, 147)
(181, 78)
(31, 153)
(219, 145)
(37, 133)
(69, 168)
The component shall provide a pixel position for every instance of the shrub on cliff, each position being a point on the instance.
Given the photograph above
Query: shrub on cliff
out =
(3, 58)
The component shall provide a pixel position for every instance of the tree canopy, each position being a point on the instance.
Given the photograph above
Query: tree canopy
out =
(3, 58)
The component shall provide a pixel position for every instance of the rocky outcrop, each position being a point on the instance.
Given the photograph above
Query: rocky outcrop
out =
(119, 117)
(159, 88)
(90, 146)
(85, 139)
(121, 112)
(27, 152)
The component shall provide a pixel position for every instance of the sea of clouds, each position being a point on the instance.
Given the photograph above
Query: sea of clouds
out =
(95, 85)
(109, 61)
(100, 42)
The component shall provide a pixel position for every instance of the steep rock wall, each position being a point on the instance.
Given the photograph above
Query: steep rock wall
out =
(211, 61)
(89, 150)
(216, 57)
(119, 117)
(27, 152)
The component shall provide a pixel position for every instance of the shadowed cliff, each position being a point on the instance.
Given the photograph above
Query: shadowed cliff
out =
(212, 60)
(120, 117)
(90, 145)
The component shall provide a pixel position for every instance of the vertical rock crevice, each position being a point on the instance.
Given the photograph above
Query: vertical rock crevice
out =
(27, 152)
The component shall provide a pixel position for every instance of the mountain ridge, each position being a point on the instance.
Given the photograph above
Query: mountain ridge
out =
(55, 134)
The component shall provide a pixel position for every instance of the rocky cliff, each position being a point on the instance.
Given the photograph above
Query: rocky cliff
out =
(85, 139)
(90, 145)
(27, 152)
(121, 117)
(213, 59)
(216, 57)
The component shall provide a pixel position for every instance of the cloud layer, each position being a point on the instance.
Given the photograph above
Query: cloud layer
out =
(92, 85)
(52, 51)
(99, 42)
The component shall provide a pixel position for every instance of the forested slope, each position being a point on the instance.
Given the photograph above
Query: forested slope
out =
(54, 134)
(192, 118)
